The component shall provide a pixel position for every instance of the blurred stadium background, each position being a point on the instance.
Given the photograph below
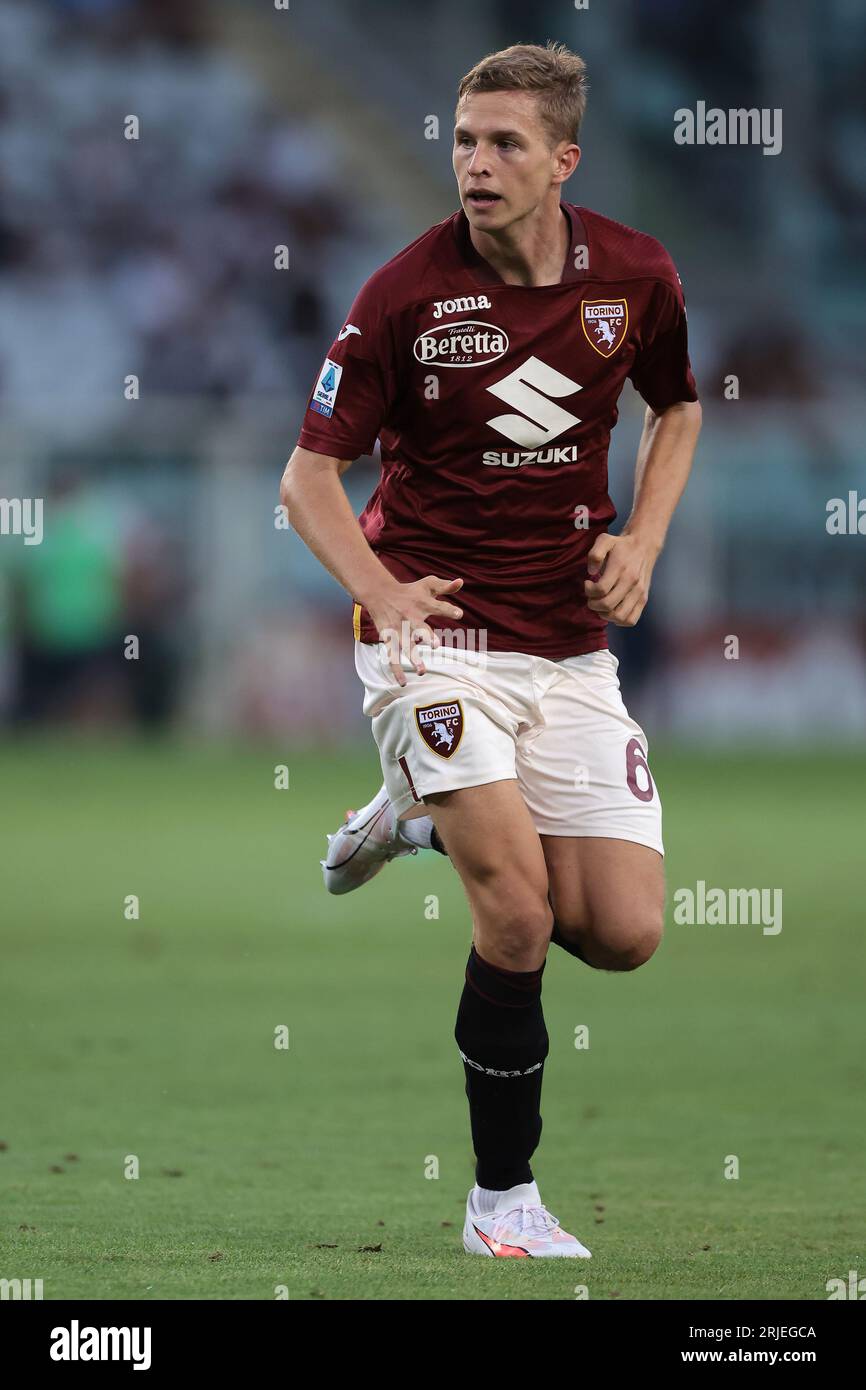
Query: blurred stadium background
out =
(155, 258)
(261, 128)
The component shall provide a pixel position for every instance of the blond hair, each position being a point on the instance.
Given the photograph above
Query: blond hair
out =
(551, 72)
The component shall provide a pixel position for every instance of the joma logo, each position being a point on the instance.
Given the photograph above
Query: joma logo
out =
(460, 306)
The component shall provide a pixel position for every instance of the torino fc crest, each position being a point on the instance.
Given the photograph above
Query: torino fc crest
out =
(441, 726)
(605, 322)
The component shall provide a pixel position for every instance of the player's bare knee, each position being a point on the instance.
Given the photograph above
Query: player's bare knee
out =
(517, 927)
(638, 952)
(611, 944)
(632, 946)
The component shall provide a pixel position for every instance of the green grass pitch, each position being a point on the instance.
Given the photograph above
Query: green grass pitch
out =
(305, 1169)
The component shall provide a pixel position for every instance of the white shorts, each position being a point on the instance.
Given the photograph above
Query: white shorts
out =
(560, 728)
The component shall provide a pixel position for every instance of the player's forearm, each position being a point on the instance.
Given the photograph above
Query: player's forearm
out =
(320, 512)
(664, 461)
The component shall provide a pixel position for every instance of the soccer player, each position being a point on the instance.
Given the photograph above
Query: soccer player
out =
(488, 358)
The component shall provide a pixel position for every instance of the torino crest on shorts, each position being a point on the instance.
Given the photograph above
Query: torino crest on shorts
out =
(441, 726)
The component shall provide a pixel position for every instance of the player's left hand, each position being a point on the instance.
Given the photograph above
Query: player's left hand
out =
(620, 569)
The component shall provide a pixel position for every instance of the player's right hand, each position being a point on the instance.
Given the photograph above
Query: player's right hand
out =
(400, 615)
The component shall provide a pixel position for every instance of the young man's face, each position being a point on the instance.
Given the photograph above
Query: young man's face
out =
(503, 160)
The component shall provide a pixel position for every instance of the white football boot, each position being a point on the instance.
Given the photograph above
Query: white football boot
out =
(367, 841)
(519, 1226)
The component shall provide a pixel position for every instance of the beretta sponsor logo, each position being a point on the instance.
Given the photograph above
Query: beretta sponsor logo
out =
(467, 344)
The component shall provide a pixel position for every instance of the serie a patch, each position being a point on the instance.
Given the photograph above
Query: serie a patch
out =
(326, 388)
(441, 726)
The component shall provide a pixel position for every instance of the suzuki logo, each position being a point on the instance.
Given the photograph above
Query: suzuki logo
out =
(523, 390)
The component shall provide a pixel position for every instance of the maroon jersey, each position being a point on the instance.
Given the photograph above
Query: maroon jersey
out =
(493, 405)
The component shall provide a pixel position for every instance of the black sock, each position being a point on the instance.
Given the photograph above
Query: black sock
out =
(503, 1041)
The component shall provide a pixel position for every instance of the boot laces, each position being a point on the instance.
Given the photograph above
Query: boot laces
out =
(534, 1221)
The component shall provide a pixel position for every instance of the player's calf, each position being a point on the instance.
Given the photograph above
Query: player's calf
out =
(607, 897)
(622, 944)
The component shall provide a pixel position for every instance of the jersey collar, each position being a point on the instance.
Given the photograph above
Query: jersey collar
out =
(482, 271)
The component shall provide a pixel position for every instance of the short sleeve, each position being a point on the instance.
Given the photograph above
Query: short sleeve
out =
(662, 372)
(356, 386)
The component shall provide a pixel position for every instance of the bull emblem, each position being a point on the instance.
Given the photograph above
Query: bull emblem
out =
(604, 323)
(605, 333)
(441, 726)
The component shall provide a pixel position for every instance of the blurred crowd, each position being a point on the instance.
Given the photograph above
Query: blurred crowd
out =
(153, 258)
(150, 257)
(87, 615)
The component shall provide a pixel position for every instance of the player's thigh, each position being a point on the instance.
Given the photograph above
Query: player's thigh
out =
(587, 782)
(607, 897)
(445, 730)
(495, 848)
(585, 770)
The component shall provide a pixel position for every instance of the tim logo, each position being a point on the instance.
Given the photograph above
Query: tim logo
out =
(326, 388)
(441, 726)
(605, 322)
